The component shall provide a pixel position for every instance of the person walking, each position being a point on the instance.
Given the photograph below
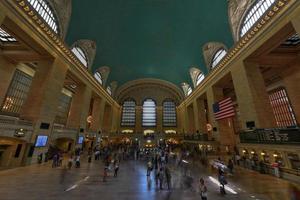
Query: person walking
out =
(203, 189)
(230, 166)
(70, 162)
(161, 178)
(105, 173)
(149, 168)
(222, 181)
(54, 161)
(116, 168)
(77, 162)
(168, 177)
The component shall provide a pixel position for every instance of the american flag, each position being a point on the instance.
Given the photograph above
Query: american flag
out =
(223, 109)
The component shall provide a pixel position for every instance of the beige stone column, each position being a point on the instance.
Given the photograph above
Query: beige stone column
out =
(185, 119)
(96, 112)
(138, 119)
(196, 116)
(102, 108)
(296, 24)
(79, 107)
(225, 131)
(252, 96)
(116, 118)
(213, 95)
(180, 118)
(201, 115)
(159, 118)
(43, 99)
(7, 70)
(191, 119)
(107, 119)
(291, 80)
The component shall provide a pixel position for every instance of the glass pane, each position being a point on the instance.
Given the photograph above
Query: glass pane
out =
(43, 9)
(149, 113)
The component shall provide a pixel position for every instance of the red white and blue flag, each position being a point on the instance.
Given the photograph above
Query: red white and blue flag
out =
(224, 109)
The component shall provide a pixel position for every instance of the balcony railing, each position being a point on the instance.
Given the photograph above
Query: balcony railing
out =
(63, 132)
(13, 127)
(196, 137)
(289, 136)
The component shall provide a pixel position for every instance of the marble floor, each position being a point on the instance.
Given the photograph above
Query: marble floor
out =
(41, 182)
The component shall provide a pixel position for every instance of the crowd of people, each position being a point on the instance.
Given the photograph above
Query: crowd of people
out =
(159, 164)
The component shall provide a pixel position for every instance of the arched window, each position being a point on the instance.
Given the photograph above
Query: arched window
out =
(108, 89)
(128, 113)
(149, 113)
(79, 53)
(189, 91)
(98, 77)
(254, 14)
(200, 78)
(169, 113)
(5, 37)
(45, 11)
(219, 55)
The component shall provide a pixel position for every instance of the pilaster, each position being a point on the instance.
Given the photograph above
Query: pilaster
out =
(7, 70)
(79, 107)
(252, 96)
(201, 115)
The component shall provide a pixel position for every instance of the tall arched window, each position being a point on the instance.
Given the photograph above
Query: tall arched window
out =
(149, 113)
(200, 78)
(128, 113)
(98, 77)
(79, 53)
(5, 37)
(254, 14)
(169, 113)
(219, 55)
(189, 91)
(45, 11)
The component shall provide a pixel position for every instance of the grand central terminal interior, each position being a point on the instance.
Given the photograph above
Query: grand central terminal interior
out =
(150, 99)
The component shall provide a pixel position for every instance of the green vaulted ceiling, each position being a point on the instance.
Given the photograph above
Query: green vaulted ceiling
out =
(150, 38)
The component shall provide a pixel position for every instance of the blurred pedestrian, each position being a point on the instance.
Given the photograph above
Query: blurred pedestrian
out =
(203, 189)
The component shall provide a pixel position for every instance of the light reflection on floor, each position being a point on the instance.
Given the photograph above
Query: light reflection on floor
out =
(43, 182)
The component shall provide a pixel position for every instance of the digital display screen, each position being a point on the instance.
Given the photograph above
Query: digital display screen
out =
(41, 140)
(80, 139)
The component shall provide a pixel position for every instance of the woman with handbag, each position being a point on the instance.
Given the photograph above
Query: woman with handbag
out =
(203, 189)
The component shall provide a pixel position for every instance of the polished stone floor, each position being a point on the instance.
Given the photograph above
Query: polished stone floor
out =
(41, 182)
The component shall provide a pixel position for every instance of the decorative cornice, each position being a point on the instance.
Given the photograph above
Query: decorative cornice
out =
(277, 7)
(149, 82)
(28, 12)
(244, 41)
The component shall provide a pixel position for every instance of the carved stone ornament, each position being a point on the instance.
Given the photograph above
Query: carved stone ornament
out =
(209, 50)
(185, 88)
(194, 73)
(89, 48)
(63, 10)
(104, 71)
(236, 12)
